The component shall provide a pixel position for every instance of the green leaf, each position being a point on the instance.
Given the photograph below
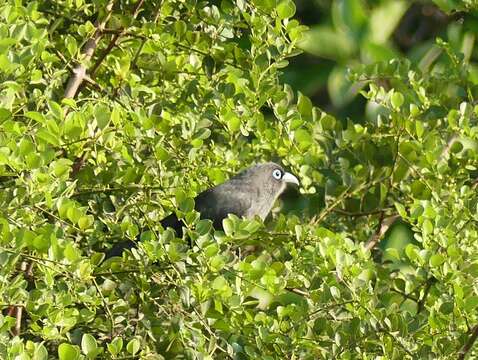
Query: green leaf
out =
(62, 167)
(304, 105)
(436, 260)
(40, 353)
(217, 263)
(4, 115)
(115, 346)
(471, 303)
(161, 153)
(71, 46)
(228, 226)
(38, 117)
(420, 130)
(335, 292)
(303, 138)
(68, 352)
(26, 147)
(385, 18)
(397, 100)
(85, 222)
(428, 226)
(88, 344)
(285, 9)
(56, 109)
(133, 346)
(208, 65)
(324, 41)
(327, 122)
(73, 214)
(203, 226)
(233, 121)
(102, 115)
(351, 14)
(71, 253)
(219, 283)
(33, 161)
(341, 89)
(186, 205)
(180, 28)
(456, 147)
(47, 136)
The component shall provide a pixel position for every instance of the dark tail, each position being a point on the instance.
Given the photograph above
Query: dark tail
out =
(117, 249)
(172, 222)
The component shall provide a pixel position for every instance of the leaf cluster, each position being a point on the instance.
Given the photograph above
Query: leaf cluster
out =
(114, 114)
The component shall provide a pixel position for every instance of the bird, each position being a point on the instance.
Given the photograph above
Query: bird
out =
(250, 193)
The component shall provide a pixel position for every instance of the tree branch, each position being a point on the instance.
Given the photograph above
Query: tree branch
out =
(79, 72)
(469, 344)
(360, 213)
(18, 322)
(448, 146)
(385, 224)
(113, 40)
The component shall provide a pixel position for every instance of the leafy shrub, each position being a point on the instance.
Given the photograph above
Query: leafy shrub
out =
(179, 95)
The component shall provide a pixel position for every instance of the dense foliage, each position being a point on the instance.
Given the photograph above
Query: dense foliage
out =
(114, 114)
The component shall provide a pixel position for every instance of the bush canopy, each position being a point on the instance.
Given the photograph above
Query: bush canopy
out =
(116, 113)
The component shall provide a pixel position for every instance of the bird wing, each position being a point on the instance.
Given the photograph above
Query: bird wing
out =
(232, 197)
(173, 222)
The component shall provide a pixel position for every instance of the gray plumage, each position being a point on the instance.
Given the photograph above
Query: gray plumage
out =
(250, 193)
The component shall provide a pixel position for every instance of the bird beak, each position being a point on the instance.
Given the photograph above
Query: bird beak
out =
(289, 178)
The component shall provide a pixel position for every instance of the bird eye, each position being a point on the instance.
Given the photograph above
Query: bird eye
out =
(277, 174)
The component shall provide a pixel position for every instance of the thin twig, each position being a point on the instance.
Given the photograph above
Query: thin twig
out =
(297, 291)
(469, 344)
(421, 303)
(117, 189)
(420, 175)
(360, 213)
(105, 304)
(41, 261)
(346, 194)
(405, 295)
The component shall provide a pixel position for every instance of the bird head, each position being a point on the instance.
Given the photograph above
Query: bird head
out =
(267, 182)
(273, 177)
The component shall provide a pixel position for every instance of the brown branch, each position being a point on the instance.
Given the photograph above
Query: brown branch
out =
(77, 165)
(16, 311)
(27, 269)
(298, 292)
(9, 306)
(381, 230)
(448, 146)
(79, 72)
(114, 39)
(469, 344)
(18, 323)
(359, 213)
(110, 46)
